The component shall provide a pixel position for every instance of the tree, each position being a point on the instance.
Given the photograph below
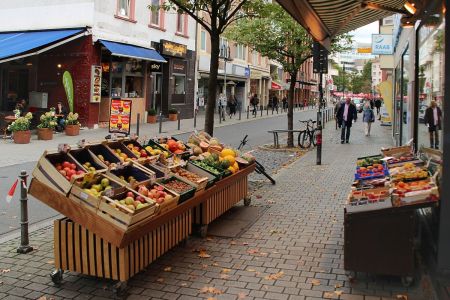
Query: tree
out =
(278, 36)
(214, 16)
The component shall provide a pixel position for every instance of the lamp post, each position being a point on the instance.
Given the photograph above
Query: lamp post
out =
(343, 80)
(225, 55)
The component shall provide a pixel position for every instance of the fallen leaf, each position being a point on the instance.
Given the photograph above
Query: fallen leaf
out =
(204, 266)
(160, 280)
(226, 270)
(209, 238)
(5, 270)
(315, 282)
(402, 297)
(215, 264)
(211, 298)
(328, 295)
(203, 254)
(232, 243)
(245, 243)
(252, 251)
(210, 290)
(51, 262)
(183, 284)
(273, 231)
(338, 293)
(251, 270)
(337, 285)
(242, 295)
(274, 276)
(167, 269)
(224, 276)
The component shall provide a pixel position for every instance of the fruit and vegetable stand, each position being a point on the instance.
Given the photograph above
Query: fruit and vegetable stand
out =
(123, 215)
(380, 217)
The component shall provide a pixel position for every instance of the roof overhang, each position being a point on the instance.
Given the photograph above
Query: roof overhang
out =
(325, 19)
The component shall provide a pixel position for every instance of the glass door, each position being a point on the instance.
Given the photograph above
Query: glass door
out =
(157, 91)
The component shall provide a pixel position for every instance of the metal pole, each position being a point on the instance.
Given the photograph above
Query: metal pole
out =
(195, 118)
(267, 110)
(220, 113)
(160, 120)
(319, 124)
(248, 111)
(24, 242)
(137, 124)
(179, 120)
(240, 111)
(261, 109)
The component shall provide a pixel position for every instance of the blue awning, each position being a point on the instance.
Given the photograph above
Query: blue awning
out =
(126, 50)
(23, 43)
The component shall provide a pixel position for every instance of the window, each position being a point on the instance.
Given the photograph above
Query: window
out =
(203, 40)
(255, 57)
(179, 86)
(125, 9)
(180, 23)
(155, 20)
(240, 51)
(223, 45)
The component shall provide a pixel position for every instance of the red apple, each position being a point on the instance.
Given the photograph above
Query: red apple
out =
(63, 173)
(68, 178)
(130, 194)
(80, 172)
(73, 166)
(66, 164)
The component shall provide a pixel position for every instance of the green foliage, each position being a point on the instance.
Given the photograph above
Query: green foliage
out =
(72, 119)
(48, 119)
(173, 110)
(152, 112)
(21, 123)
(357, 83)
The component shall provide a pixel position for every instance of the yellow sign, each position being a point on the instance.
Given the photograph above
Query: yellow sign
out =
(385, 89)
(365, 50)
(173, 49)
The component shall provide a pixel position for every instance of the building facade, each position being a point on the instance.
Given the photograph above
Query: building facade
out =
(139, 54)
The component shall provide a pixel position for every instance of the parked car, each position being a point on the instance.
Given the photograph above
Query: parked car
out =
(422, 109)
(359, 104)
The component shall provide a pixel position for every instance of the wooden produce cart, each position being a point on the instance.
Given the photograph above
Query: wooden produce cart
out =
(225, 195)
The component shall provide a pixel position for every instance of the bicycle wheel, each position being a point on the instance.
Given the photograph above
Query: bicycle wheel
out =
(305, 140)
(314, 138)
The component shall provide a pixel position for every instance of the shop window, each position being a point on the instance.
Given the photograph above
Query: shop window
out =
(203, 40)
(125, 9)
(405, 103)
(182, 24)
(155, 15)
(179, 84)
(431, 49)
(133, 87)
(116, 87)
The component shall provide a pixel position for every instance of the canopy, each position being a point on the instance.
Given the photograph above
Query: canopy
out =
(324, 19)
(126, 50)
(276, 86)
(14, 45)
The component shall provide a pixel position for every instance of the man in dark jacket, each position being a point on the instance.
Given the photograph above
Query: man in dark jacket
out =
(378, 105)
(346, 115)
(433, 116)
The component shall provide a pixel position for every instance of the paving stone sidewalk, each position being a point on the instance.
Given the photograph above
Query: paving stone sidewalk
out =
(293, 251)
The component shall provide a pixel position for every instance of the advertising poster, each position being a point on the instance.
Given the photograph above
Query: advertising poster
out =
(96, 81)
(385, 88)
(120, 116)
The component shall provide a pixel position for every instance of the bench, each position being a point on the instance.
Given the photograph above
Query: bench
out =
(275, 133)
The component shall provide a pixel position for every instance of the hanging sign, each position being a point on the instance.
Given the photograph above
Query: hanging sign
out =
(120, 116)
(382, 44)
(96, 81)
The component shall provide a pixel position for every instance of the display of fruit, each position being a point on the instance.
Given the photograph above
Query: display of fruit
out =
(68, 169)
(178, 186)
(130, 179)
(187, 174)
(131, 201)
(405, 187)
(107, 163)
(137, 150)
(156, 151)
(408, 171)
(176, 147)
(95, 189)
(207, 167)
(89, 167)
(155, 193)
(371, 195)
(123, 156)
(404, 158)
(369, 161)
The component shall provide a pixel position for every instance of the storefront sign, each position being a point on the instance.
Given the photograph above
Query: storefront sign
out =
(155, 67)
(365, 50)
(96, 81)
(173, 49)
(382, 44)
(179, 67)
(120, 116)
(255, 74)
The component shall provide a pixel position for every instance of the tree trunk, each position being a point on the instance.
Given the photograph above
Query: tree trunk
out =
(212, 84)
(290, 114)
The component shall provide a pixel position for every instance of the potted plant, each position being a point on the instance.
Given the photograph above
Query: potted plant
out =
(151, 116)
(47, 125)
(72, 124)
(173, 114)
(21, 129)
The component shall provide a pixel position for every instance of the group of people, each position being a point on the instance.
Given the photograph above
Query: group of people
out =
(60, 112)
(231, 103)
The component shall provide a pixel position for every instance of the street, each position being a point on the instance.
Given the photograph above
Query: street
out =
(40, 213)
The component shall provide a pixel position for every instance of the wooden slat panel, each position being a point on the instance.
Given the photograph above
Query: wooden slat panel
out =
(63, 245)
(131, 258)
(91, 249)
(114, 265)
(70, 243)
(98, 256)
(57, 243)
(77, 248)
(123, 275)
(85, 251)
(106, 259)
(146, 252)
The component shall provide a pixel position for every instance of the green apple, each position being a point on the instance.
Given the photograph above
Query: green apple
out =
(104, 182)
(140, 205)
(101, 157)
(88, 164)
(129, 200)
(122, 202)
(97, 187)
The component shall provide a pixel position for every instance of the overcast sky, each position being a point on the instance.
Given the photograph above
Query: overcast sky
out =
(364, 34)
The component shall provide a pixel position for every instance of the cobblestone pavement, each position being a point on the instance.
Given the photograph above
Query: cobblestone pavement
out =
(293, 251)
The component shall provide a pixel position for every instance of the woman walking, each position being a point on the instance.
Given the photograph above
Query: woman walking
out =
(368, 118)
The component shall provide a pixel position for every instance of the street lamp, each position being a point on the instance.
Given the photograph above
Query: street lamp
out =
(343, 80)
(225, 55)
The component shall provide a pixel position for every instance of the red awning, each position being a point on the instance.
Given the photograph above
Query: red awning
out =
(276, 86)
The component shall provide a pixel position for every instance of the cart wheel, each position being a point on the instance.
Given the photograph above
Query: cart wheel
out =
(247, 200)
(350, 274)
(407, 280)
(203, 231)
(57, 276)
(120, 287)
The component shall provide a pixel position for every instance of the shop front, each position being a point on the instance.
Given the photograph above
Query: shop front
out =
(260, 85)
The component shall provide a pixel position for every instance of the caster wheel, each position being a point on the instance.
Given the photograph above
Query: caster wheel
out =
(203, 231)
(247, 201)
(120, 288)
(407, 280)
(57, 276)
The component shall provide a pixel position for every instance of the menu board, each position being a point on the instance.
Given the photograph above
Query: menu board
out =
(120, 116)
(96, 81)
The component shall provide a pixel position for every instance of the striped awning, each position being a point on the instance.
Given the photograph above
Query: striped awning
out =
(324, 19)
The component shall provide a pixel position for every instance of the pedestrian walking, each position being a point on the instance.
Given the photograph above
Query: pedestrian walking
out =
(336, 109)
(378, 105)
(275, 103)
(433, 116)
(346, 115)
(232, 103)
(368, 118)
(284, 101)
(254, 101)
(222, 103)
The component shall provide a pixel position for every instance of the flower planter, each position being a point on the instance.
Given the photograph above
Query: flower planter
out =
(151, 119)
(22, 137)
(45, 134)
(72, 130)
(173, 117)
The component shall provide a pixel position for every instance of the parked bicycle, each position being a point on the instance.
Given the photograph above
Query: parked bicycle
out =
(307, 137)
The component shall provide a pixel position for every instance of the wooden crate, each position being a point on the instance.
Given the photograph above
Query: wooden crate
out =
(79, 250)
(83, 155)
(46, 172)
(231, 190)
(141, 175)
(166, 205)
(113, 145)
(103, 150)
(199, 184)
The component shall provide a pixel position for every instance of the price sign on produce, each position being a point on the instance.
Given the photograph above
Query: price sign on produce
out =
(120, 116)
